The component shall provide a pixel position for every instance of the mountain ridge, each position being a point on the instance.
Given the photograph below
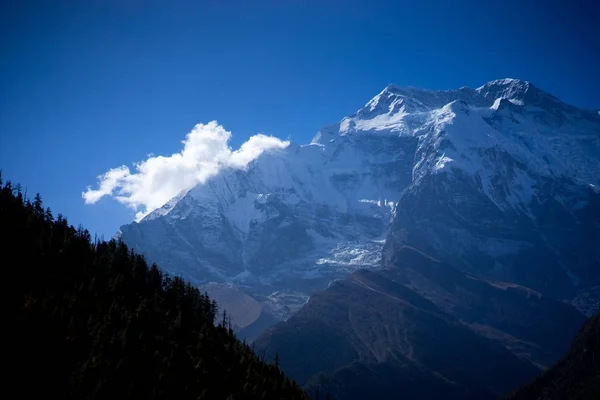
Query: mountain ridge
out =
(301, 217)
(418, 318)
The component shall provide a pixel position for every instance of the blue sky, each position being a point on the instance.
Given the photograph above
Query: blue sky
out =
(86, 86)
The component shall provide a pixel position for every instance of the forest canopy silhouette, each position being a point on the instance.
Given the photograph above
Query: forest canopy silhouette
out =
(89, 319)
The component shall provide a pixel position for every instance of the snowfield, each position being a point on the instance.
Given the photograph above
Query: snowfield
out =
(300, 217)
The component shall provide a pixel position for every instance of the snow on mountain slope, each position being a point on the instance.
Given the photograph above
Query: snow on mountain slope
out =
(295, 206)
(297, 218)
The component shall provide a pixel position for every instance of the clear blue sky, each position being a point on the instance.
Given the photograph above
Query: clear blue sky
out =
(90, 85)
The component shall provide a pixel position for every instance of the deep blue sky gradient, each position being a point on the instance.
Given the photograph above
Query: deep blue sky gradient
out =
(90, 85)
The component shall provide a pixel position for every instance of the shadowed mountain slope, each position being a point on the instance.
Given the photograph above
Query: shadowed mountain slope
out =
(421, 326)
(576, 376)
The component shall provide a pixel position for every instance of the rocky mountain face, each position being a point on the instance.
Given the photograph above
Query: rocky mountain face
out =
(501, 181)
(421, 327)
(504, 185)
(292, 222)
(575, 376)
(455, 231)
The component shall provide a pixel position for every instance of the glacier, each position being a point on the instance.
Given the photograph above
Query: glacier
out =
(445, 170)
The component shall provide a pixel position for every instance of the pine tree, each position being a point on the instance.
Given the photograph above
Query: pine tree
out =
(37, 204)
(48, 215)
(18, 189)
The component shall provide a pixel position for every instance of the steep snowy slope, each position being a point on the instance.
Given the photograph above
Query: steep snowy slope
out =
(484, 178)
(317, 212)
(509, 191)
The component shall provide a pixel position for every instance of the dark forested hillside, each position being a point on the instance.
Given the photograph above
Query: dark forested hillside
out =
(576, 376)
(90, 320)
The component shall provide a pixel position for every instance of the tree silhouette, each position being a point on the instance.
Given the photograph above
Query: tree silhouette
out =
(90, 320)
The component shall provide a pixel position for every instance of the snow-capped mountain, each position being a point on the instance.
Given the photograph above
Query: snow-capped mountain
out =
(502, 180)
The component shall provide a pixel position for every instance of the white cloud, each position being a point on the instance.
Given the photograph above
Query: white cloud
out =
(158, 179)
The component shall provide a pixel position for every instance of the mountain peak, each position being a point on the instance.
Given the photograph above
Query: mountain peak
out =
(393, 99)
(506, 82)
(317, 212)
(520, 92)
(393, 88)
(506, 88)
(415, 99)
